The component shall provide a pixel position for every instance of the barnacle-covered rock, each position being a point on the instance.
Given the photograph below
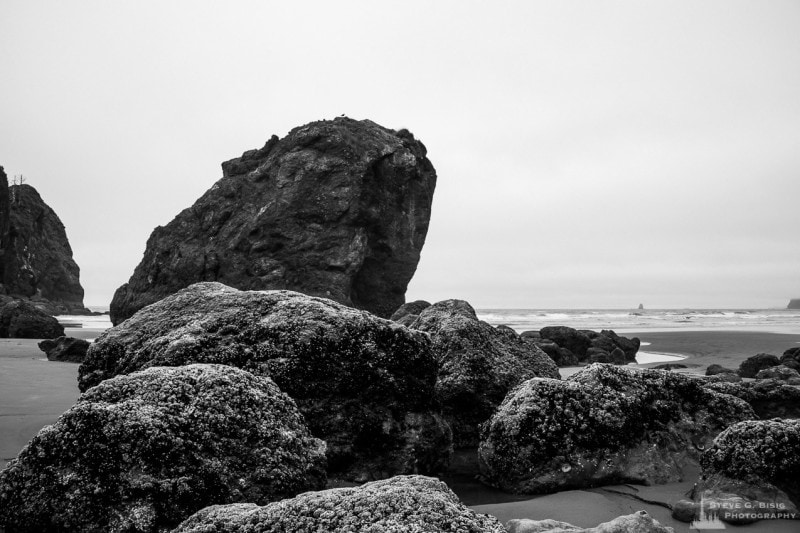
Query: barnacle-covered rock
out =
(758, 452)
(400, 504)
(780, 372)
(364, 384)
(144, 451)
(478, 365)
(605, 424)
(638, 522)
(769, 398)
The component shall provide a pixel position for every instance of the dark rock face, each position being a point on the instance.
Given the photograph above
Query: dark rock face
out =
(570, 347)
(761, 452)
(769, 398)
(396, 505)
(410, 309)
(791, 358)
(478, 365)
(794, 303)
(21, 320)
(337, 209)
(637, 522)
(67, 349)
(365, 385)
(143, 452)
(36, 255)
(5, 224)
(603, 425)
(752, 365)
(713, 370)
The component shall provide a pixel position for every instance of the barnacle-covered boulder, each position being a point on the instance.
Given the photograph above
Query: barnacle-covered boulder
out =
(760, 453)
(769, 398)
(605, 424)
(397, 505)
(364, 384)
(781, 373)
(478, 364)
(144, 451)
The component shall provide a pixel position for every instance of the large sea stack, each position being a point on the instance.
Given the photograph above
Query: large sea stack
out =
(794, 303)
(35, 256)
(337, 208)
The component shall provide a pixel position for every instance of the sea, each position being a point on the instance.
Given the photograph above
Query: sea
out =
(622, 321)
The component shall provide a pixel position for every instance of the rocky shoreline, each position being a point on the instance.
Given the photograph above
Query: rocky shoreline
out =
(461, 345)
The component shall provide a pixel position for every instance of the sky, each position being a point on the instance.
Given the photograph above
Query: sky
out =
(590, 154)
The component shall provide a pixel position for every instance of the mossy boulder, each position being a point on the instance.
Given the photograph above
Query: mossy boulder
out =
(478, 364)
(364, 384)
(605, 424)
(400, 504)
(762, 456)
(143, 452)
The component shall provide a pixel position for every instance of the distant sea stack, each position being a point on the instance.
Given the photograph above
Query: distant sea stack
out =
(35, 256)
(794, 303)
(337, 208)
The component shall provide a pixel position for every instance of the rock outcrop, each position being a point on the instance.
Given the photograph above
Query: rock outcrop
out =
(478, 365)
(753, 365)
(769, 398)
(364, 384)
(21, 320)
(760, 453)
(605, 424)
(638, 522)
(67, 349)
(791, 358)
(569, 347)
(794, 303)
(338, 209)
(142, 452)
(397, 505)
(780, 372)
(36, 255)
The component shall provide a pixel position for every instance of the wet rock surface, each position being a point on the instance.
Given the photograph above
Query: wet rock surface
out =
(769, 398)
(364, 384)
(397, 505)
(337, 208)
(603, 425)
(638, 522)
(477, 365)
(67, 349)
(142, 452)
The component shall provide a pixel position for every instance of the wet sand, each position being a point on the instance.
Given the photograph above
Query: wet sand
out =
(34, 392)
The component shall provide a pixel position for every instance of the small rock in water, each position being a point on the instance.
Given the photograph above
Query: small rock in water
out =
(68, 349)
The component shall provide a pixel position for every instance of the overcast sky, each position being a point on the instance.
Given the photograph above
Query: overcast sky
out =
(590, 154)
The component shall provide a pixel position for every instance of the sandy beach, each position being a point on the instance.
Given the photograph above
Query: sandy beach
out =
(34, 392)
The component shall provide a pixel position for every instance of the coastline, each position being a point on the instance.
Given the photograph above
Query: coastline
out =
(34, 392)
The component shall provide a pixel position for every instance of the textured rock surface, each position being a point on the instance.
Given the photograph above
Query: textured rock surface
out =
(21, 320)
(638, 522)
(398, 505)
(713, 370)
(753, 365)
(605, 424)
(143, 452)
(478, 365)
(338, 209)
(364, 384)
(780, 372)
(791, 358)
(769, 398)
(410, 309)
(67, 349)
(36, 254)
(758, 452)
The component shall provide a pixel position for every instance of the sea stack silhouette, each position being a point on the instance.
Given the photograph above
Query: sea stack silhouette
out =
(36, 261)
(794, 303)
(337, 208)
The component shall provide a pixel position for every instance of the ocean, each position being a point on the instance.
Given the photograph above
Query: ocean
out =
(640, 320)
